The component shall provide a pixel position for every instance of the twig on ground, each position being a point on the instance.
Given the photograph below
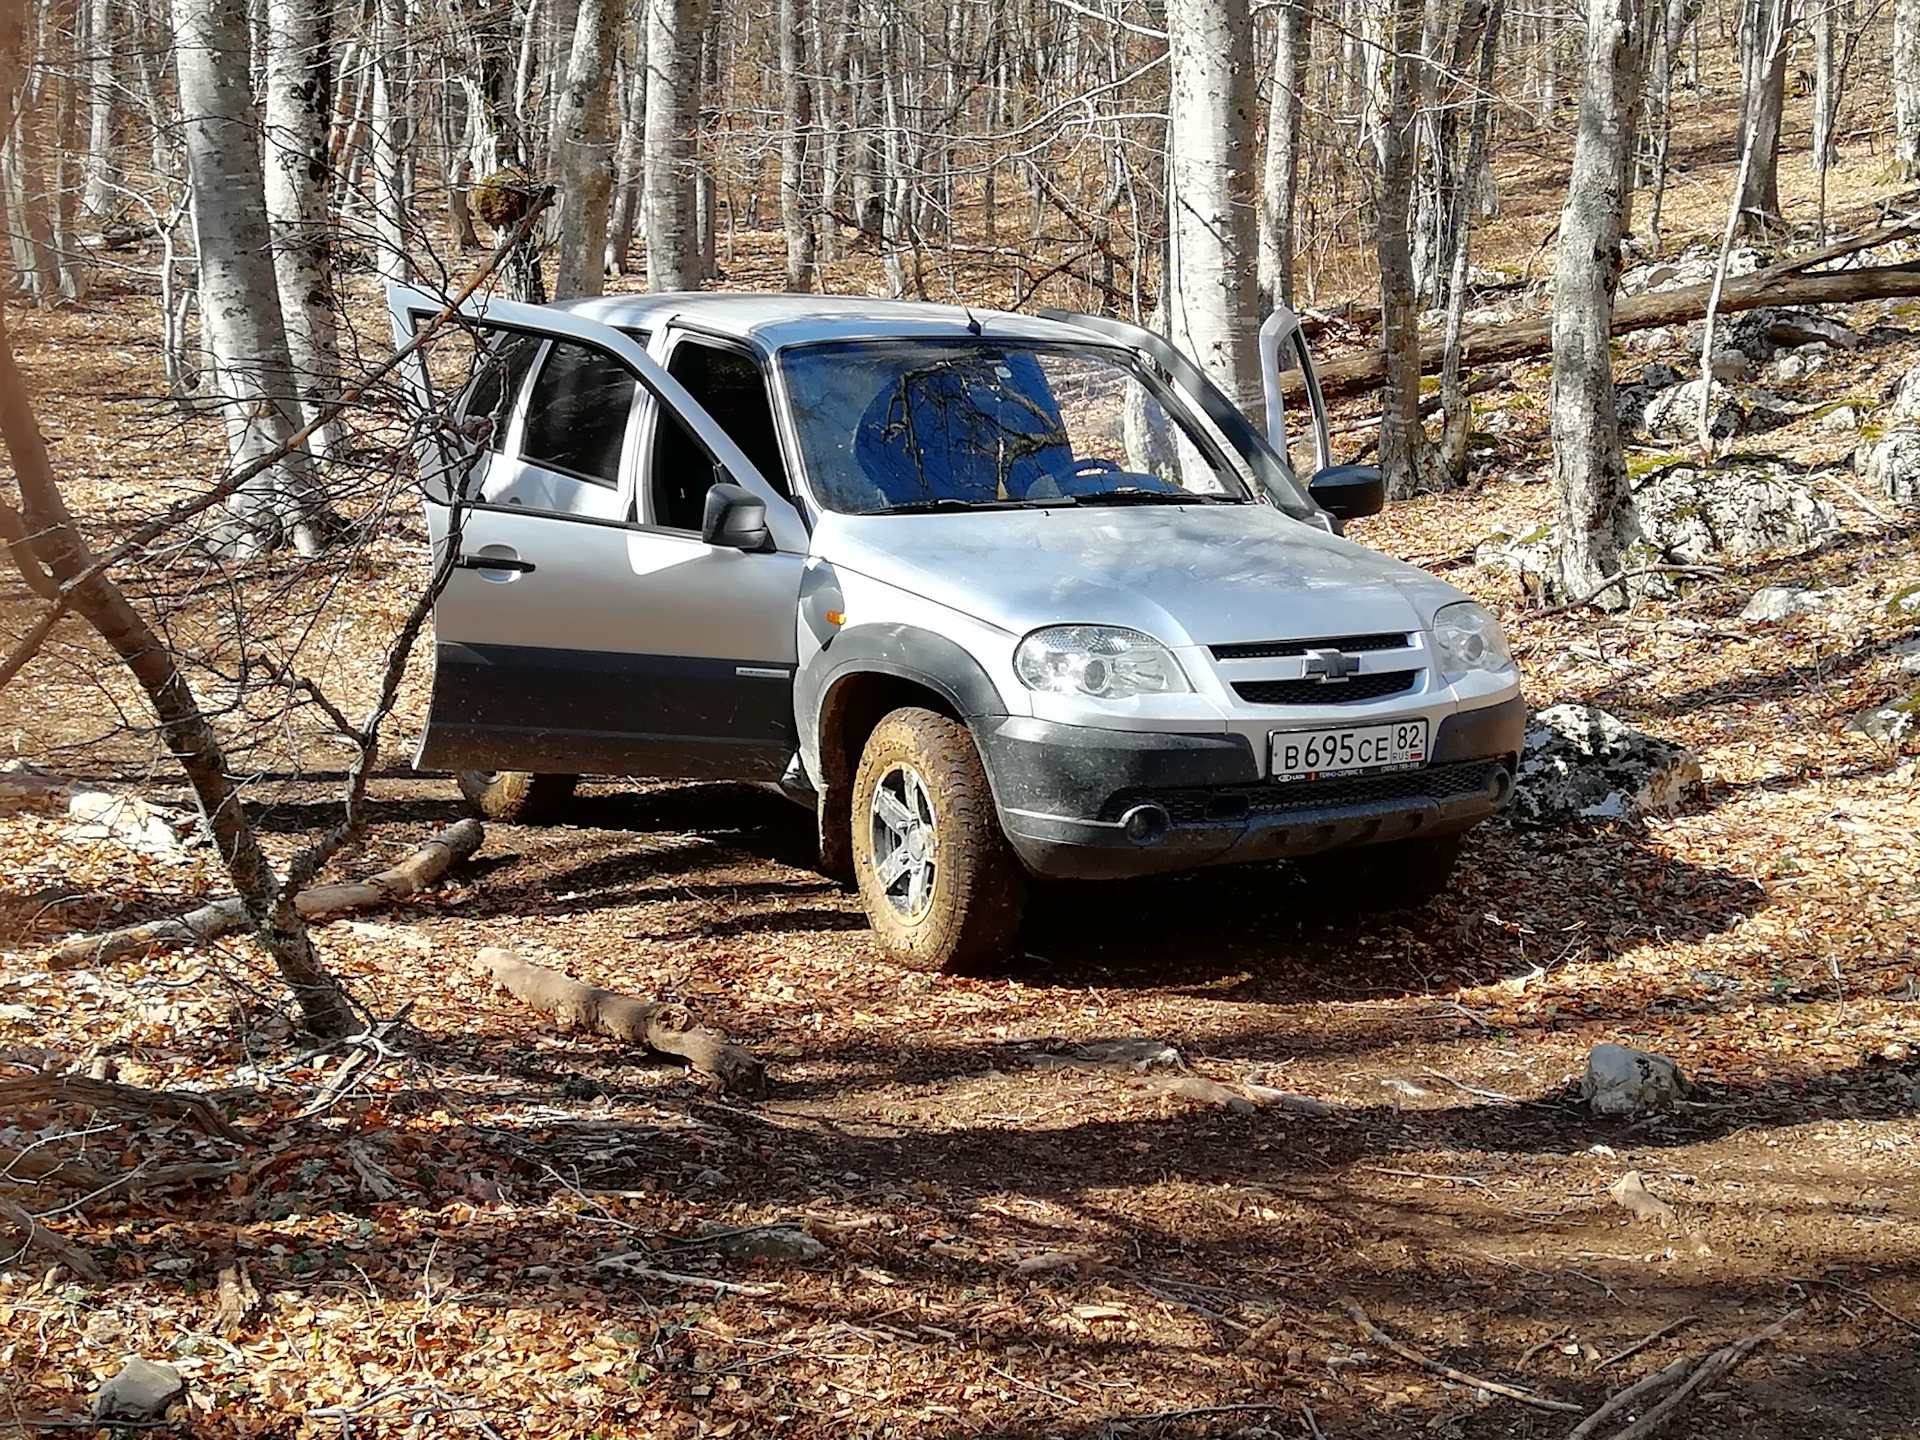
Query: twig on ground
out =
(1313, 1425)
(1709, 572)
(1639, 1345)
(35, 1236)
(1474, 1090)
(1534, 1349)
(367, 1050)
(1721, 1362)
(1434, 1367)
(626, 1265)
(1641, 1390)
(1157, 1417)
(1877, 1304)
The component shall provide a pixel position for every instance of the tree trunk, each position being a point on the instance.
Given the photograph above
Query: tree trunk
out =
(103, 170)
(797, 121)
(673, 84)
(1764, 71)
(388, 139)
(1405, 456)
(1294, 34)
(239, 305)
(1484, 21)
(1213, 210)
(583, 156)
(1906, 87)
(1825, 84)
(298, 118)
(630, 155)
(1595, 504)
(69, 156)
(37, 247)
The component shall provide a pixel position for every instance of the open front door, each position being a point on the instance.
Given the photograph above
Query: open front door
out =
(571, 637)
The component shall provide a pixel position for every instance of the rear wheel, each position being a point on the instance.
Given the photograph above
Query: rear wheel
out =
(515, 797)
(942, 888)
(1400, 875)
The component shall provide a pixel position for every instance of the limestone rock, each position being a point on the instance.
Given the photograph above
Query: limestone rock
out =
(1773, 603)
(143, 828)
(1580, 763)
(1621, 1080)
(1763, 333)
(141, 1391)
(1890, 462)
(1691, 514)
(1841, 420)
(1528, 554)
(1674, 413)
(1905, 404)
(1907, 655)
(1887, 723)
(781, 1244)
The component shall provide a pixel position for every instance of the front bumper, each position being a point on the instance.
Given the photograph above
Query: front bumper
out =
(1065, 793)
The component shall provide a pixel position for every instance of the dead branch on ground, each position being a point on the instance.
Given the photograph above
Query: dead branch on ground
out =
(1434, 1367)
(112, 1095)
(665, 1028)
(35, 1236)
(455, 844)
(1721, 1362)
(1791, 282)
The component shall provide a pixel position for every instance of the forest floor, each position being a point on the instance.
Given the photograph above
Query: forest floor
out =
(1018, 1241)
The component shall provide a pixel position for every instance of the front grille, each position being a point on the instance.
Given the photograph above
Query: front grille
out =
(1193, 807)
(1280, 649)
(1321, 692)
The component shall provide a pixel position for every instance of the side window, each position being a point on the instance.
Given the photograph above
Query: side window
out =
(500, 369)
(577, 417)
(731, 388)
(682, 474)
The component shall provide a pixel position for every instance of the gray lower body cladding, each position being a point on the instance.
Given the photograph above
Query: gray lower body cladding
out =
(1065, 794)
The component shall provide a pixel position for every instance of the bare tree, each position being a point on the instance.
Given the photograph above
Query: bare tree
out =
(1765, 26)
(796, 127)
(1906, 86)
(239, 302)
(1293, 38)
(1405, 455)
(673, 83)
(1596, 520)
(1212, 297)
(584, 150)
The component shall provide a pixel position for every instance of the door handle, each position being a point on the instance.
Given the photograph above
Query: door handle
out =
(494, 562)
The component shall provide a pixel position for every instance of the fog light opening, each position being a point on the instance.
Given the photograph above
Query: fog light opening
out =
(1145, 824)
(1502, 787)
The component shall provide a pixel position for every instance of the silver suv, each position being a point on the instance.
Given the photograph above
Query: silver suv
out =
(995, 596)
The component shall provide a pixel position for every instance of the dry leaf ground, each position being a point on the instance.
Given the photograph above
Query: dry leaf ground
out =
(1013, 1248)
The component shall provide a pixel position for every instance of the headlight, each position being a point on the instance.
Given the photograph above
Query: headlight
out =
(1466, 638)
(1103, 661)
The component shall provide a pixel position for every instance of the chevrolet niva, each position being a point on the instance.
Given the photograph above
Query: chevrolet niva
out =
(996, 596)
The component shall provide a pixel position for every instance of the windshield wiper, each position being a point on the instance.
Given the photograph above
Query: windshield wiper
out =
(947, 503)
(1153, 497)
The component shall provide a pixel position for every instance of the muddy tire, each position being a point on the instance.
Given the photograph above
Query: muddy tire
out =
(514, 797)
(1401, 875)
(942, 888)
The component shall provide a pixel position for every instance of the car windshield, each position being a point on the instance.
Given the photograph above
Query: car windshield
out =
(897, 426)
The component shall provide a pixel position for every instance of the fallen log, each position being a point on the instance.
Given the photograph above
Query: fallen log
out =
(1788, 284)
(316, 904)
(661, 1027)
(15, 1095)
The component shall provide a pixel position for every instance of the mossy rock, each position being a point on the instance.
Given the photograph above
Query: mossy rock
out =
(1904, 601)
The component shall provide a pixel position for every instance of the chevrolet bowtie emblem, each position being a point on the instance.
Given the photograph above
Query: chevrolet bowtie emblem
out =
(1331, 667)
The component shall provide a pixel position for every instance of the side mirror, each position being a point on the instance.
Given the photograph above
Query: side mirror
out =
(1349, 492)
(736, 518)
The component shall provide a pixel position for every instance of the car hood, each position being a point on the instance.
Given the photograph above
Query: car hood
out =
(1195, 575)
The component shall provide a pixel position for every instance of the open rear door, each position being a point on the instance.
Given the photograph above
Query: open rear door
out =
(564, 638)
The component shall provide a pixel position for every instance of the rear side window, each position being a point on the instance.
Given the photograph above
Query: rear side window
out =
(577, 417)
(730, 388)
(500, 370)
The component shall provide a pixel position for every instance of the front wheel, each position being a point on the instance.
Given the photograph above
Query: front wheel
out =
(514, 797)
(1400, 875)
(942, 888)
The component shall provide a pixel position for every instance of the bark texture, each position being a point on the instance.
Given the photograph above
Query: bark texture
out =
(797, 101)
(1213, 304)
(1405, 456)
(660, 1027)
(1595, 504)
(673, 104)
(1906, 87)
(1292, 42)
(1763, 66)
(298, 119)
(239, 306)
(583, 151)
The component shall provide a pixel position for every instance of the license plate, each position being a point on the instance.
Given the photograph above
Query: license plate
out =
(1348, 750)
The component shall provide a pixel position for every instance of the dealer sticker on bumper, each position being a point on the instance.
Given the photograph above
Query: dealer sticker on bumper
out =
(1350, 750)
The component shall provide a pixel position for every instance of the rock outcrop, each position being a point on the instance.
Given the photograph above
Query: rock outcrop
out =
(1580, 763)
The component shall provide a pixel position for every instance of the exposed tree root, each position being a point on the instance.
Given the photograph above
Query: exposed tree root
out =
(322, 902)
(665, 1028)
(1406, 1352)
